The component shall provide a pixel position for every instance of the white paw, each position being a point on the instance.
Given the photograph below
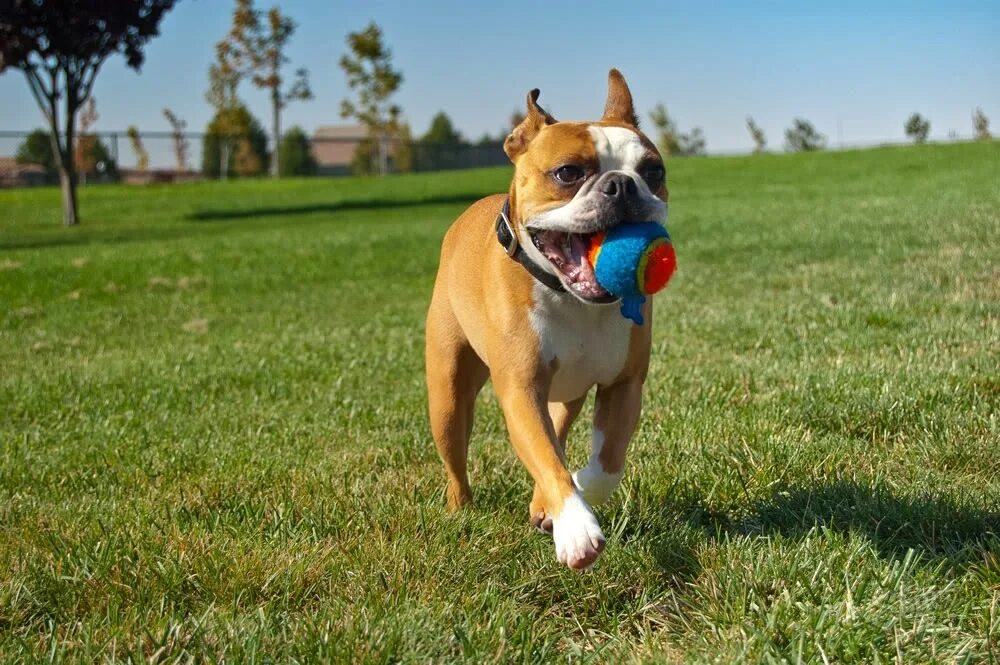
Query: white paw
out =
(595, 484)
(577, 535)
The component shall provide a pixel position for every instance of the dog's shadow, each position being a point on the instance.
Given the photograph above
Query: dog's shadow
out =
(954, 531)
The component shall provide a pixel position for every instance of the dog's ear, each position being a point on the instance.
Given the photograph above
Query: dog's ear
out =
(619, 107)
(521, 136)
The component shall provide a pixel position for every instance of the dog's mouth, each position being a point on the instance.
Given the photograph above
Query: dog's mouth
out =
(567, 252)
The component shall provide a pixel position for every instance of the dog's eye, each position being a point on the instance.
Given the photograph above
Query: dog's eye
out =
(567, 174)
(654, 177)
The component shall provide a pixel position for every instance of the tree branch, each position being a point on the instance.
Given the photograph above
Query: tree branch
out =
(42, 97)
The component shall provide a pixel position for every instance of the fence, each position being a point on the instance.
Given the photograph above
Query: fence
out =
(115, 156)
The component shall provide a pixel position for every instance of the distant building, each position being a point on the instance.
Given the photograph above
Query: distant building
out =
(13, 174)
(333, 148)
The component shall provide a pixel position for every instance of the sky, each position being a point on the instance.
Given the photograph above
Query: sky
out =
(856, 70)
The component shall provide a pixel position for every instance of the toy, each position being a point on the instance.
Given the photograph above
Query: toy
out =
(632, 261)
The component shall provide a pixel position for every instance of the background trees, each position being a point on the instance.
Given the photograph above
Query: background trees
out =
(803, 137)
(60, 47)
(246, 154)
(37, 149)
(368, 66)
(917, 128)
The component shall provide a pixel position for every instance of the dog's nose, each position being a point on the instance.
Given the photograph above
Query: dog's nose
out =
(618, 186)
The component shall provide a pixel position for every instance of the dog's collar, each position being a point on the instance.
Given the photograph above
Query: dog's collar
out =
(507, 237)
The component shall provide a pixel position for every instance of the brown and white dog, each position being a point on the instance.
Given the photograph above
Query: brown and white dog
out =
(528, 313)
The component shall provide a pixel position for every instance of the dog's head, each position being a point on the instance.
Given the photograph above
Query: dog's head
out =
(575, 179)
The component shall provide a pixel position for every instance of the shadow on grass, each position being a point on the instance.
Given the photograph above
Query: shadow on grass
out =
(937, 528)
(59, 237)
(330, 207)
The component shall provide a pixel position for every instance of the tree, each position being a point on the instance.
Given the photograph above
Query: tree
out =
(141, 156)
(247, 141)
(402, 149)
(295, 154)
(440, 147)
(441, 131)
(803, 137)
(917, 128)
(666, 130)
(982, 125)
(757, 134)
(60, 46)
(37, 149)
(258, 51)
(370, 75)
(85, 153)
(177, 127)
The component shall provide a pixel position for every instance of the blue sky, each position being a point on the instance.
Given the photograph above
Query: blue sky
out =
(855, 69)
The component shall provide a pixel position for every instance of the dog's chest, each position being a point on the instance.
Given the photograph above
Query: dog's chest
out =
(589, 343)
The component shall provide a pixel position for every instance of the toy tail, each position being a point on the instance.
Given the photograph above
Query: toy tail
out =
(632, 308)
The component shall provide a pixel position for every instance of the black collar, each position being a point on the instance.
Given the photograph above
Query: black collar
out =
(507, 237)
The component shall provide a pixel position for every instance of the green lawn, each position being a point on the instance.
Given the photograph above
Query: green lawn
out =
(213, 439)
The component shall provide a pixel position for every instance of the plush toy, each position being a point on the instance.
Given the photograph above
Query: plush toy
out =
(632, 261)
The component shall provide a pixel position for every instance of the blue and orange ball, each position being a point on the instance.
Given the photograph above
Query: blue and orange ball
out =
(632, 261)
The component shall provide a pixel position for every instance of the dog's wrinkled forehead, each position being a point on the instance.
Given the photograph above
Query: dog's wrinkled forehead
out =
(619, 148)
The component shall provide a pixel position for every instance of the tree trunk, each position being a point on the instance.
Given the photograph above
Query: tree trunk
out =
(68, 186)
(276, 131)
(64, 164)
(67, 174)
(224, 158)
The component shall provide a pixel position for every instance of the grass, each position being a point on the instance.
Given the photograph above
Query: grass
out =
(213, 441)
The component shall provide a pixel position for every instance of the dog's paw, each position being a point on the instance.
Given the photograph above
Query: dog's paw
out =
(577, 535)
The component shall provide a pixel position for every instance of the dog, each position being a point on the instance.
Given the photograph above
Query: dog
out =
(516, 301)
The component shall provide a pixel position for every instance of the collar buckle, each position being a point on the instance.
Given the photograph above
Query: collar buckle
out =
(512, 243)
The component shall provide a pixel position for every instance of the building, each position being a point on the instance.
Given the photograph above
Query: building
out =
(333, 147)
(13, 174)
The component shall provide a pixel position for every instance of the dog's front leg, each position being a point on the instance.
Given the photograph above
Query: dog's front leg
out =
(616, 414)
(577, 535)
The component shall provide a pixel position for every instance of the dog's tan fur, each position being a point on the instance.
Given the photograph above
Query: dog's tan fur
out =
(479, 327)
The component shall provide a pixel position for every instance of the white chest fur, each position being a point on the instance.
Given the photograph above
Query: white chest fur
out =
(589, 342)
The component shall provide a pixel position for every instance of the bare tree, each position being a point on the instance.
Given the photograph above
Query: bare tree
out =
(141, 156)
(60, 47)
(757, 134)
(84, 153)
(177, 127)
(258, 51)
(223, 80)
